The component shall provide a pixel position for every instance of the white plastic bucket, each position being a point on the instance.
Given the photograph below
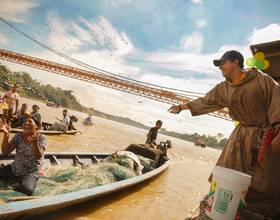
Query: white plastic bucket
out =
(227, 193)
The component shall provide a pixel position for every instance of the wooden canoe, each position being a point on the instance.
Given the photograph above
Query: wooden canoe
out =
(46, 132)
(40, 205)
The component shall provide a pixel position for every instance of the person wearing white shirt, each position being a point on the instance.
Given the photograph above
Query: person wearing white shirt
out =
(63, 124)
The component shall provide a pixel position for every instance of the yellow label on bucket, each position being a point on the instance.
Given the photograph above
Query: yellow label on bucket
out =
(213, 186)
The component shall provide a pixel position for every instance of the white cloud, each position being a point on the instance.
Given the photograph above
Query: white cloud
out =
(107, 35)
(200, 23)
(15, 10)
(266, 34)
(196, 1)
(117, 3)
(193, 43)
(182, 61)
(106, 47)
(59, 34)
(203, 63)
(191, 85)
(3, 39)
(100, 35)
(103, 60)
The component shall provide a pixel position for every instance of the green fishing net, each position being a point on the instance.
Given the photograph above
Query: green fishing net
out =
(58, 180)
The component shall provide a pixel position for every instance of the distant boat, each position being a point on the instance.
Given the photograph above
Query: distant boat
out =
(39, 205)
(52, 104)
(88, 121)
(44, 131)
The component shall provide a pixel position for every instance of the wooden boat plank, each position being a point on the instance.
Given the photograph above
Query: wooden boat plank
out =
(95, 159)
(54, 158)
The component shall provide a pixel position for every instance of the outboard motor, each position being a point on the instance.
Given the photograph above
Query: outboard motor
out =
(158, 154)
(73, 118)
(164, 145)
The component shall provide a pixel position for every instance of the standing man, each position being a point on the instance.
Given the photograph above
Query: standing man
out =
(253, 99)
(11, 98)
(152, 134)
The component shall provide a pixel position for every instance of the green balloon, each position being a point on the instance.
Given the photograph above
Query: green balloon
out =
(260, 64)
(251, 62)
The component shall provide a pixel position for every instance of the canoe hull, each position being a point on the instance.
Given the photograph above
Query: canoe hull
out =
(72, 132)
(46, 204)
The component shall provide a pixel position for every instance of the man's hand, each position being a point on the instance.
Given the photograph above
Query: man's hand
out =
(58, 119)
(4, 127)
(175, 109)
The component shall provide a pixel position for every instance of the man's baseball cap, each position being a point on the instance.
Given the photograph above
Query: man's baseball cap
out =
(230, 55)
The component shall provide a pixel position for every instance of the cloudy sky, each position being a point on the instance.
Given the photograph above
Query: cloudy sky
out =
(169, 43)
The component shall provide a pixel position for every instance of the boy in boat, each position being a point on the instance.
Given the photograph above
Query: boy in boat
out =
(30, 147)
(12, 99)
(152, 134)
(63, 124)
(36, 115)
(253, 99)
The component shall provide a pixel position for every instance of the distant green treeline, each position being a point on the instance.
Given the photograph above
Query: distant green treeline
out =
(31, 88)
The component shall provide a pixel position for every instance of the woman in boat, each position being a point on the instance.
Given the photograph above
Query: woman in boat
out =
(30, 147)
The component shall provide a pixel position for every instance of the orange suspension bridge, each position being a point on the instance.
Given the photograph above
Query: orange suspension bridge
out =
(158, 93)
(101, 77)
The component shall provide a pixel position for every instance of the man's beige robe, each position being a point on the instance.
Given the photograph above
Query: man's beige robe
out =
(255, 103)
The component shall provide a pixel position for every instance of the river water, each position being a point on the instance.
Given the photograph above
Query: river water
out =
(172, 195)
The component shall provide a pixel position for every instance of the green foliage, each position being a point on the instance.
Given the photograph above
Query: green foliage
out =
(31, 88)
(210, 141)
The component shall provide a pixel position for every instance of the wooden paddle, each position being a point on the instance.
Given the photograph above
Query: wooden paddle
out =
(21, 198)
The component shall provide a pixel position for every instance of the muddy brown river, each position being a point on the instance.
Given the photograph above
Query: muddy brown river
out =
(175, 194)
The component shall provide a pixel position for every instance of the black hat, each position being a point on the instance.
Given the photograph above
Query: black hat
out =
(35, 106)
(230, 55)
